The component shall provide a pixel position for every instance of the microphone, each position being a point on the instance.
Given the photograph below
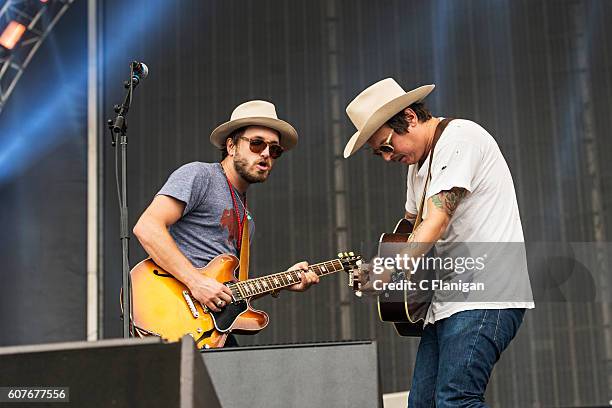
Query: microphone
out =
(140, 71)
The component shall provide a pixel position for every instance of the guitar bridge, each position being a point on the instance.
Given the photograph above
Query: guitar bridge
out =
(190, 304)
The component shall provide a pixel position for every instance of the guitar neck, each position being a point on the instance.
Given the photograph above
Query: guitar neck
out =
(270, 283)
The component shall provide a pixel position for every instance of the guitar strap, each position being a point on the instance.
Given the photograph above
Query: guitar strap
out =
(243, 274)
(439, 129)
(243, 237)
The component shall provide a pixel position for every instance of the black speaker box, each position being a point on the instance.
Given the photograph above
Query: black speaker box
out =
(112, 373)
(147, 373)
(327, 375)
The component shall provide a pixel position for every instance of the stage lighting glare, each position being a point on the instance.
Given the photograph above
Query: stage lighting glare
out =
(12, 34)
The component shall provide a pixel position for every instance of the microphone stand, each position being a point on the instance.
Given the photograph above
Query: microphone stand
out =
(118, 126)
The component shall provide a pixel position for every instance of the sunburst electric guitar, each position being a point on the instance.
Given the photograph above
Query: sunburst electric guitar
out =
(163, 306)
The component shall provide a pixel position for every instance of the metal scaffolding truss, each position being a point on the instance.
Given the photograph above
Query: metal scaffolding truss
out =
(39, 18)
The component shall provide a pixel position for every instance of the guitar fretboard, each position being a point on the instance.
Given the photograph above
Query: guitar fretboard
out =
(270, 283)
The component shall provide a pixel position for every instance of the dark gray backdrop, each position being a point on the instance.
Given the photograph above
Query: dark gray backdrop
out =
(514, 67)
(519, 68)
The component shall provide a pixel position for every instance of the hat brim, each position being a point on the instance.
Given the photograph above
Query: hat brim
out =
(288, 135)
(383, 114)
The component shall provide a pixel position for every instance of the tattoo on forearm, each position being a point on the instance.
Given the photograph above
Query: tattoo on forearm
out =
(448, 200)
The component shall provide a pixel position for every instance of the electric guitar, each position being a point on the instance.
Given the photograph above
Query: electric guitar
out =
(163, 306)
(407, 309)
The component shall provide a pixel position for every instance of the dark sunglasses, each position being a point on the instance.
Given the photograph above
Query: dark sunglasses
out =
(385, 147)
(259, 145)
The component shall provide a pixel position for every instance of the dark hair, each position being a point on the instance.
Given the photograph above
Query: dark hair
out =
(398, 122)
(234, 136)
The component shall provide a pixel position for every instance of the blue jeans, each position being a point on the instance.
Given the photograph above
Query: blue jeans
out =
(457, 354)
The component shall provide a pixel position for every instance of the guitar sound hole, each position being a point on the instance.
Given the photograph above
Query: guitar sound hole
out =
(161, 274)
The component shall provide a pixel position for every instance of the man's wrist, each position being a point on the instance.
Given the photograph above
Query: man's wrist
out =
(191, 277)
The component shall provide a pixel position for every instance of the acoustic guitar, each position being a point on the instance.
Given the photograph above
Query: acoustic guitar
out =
(164, 307)
(406, 309)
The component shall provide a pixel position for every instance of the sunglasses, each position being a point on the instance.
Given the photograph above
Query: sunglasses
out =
(259, 145)
(385, 147)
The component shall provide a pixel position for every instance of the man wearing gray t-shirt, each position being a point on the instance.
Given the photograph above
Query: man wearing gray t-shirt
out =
(461, 196)
(200, 211)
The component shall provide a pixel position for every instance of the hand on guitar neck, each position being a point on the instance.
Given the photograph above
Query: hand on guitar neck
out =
(363, 278)
(307, 278)
(370, 277)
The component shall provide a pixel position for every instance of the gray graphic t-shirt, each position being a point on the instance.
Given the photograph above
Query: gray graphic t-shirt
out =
(208, 226)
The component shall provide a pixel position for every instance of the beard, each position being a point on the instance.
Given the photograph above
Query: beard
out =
(249, 174)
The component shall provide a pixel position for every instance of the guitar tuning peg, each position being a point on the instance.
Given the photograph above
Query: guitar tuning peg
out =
(351, 254)
(339, 254)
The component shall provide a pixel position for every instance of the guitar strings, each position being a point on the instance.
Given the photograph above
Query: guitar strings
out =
(236, 290)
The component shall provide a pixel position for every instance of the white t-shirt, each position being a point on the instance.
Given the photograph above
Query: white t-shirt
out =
(467, 156)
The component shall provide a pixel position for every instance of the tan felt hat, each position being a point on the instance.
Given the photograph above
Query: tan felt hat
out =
(377, 104)
(255, 113)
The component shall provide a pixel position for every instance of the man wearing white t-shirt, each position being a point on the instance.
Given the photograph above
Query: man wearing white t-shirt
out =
(467, 203)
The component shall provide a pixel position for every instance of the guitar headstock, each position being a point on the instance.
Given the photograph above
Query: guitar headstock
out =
(350, 263)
